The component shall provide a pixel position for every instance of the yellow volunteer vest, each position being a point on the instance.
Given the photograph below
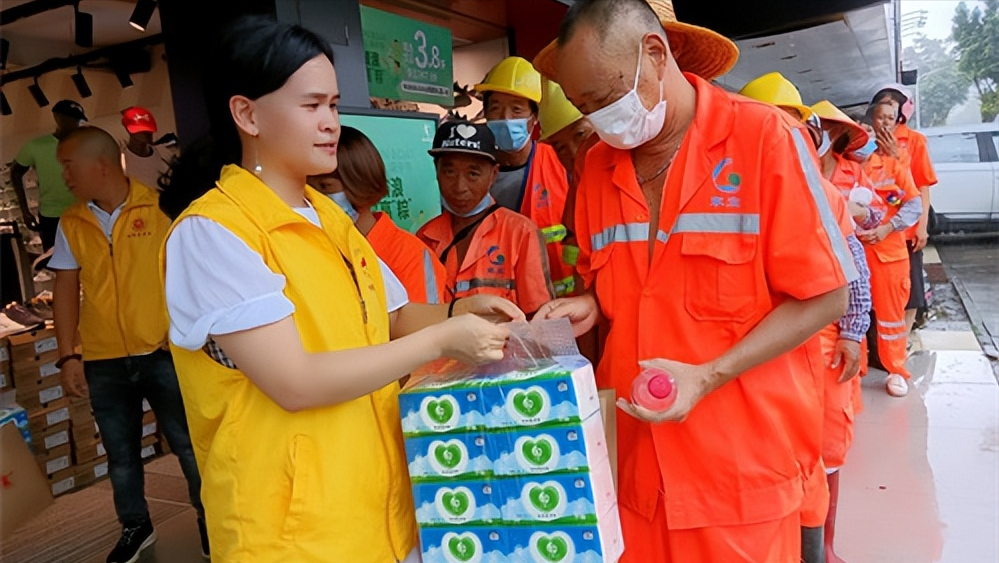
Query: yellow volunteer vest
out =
(122, 310)
(323, 485)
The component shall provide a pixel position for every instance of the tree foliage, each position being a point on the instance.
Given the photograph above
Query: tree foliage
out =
(941, 85)
(976, 33)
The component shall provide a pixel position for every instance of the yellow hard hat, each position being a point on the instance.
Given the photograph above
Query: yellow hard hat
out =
(555, 112)
(515, 76)
(832, 116)
(773, 88)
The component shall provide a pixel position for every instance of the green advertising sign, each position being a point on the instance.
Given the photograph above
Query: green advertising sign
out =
(407, 59)
(403, 142)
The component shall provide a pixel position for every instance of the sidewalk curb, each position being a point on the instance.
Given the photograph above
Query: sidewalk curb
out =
(985, 339)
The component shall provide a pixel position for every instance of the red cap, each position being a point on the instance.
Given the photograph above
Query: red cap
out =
(138, 119)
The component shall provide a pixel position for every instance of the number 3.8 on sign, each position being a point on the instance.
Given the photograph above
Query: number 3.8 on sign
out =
(422, 61)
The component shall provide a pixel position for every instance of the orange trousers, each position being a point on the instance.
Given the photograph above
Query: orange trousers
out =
(890, 284)
(777, 541)
(838, 404)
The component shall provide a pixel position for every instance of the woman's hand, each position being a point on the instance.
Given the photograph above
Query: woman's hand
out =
(471, 339)
(886, 141)
(490, 307)
(692, 384)
(583, 312)
(877, 235)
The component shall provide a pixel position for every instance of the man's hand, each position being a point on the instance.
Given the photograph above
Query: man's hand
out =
(73, 380)
(877, 235)
(489, 307)
(582, 311)
(846, 354)
(692, 385)
(922, 237)
(30, 221)
(886, 141)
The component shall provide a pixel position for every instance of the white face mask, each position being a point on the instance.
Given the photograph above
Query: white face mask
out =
(626, 123)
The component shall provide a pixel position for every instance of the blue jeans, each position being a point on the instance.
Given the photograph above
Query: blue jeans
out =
(117, 387)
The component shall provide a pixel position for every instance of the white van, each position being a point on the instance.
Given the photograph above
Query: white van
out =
(966, 160)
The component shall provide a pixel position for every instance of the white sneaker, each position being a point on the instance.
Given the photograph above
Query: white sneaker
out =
(897, 386)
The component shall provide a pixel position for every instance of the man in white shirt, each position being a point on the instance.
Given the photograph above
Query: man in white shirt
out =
(143, 160)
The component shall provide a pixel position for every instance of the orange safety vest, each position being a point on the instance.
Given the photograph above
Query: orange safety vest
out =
(914, 154)
(123, 311)
(419, 270)
(505, 257)
(746, 224)
(892, 183)
(543, 202)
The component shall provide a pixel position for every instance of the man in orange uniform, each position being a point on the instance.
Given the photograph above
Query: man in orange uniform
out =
(531, 178)
(708, 242)
(910, 147)
(898, 198)
(834, 353)
(485, 248)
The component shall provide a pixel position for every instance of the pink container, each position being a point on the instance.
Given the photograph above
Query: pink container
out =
(654, 389)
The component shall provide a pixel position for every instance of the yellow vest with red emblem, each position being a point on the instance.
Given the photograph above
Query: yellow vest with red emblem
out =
(543, 203)
(319, 485)
(123, 309)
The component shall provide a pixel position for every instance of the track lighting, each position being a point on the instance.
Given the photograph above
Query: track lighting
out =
(4, 51)
(37, 94)
(84, 27)
(4, 106)
(81, 83)
(124, 78)
(142, 13)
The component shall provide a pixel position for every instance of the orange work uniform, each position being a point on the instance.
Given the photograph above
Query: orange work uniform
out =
(416, 266)
(745, 224)
(889, 261)
(506, 257)
(545, 189)
(913, 154)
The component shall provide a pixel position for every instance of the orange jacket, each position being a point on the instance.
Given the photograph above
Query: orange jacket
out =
(419, 270)
(892, 183)
(746, 224)
(847, 174)
(544, 203)
(913, 153)
(505, 257)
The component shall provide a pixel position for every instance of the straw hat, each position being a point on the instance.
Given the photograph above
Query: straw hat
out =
(696, 49)
(834, 119)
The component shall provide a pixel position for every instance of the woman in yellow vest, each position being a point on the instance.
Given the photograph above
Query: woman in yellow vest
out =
(281, 316)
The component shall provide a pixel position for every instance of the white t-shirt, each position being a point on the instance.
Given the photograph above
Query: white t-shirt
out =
(62, 254)
(215, 284)
(147, 169)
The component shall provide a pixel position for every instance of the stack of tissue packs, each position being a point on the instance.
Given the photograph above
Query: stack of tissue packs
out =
(511, 467)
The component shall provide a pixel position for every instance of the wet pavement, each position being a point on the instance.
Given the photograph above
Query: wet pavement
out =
(972, 266)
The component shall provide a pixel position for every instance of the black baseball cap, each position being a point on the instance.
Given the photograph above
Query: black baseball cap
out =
(69, 108)
(464, 137)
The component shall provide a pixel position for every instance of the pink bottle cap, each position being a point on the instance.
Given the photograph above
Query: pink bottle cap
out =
(660, 386)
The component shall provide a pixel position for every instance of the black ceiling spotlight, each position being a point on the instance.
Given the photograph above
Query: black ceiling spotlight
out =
(142, 13)
(4, 106)
(4, 51)
(37, 94)
(81, 83)
(84, 27)
(124, 78)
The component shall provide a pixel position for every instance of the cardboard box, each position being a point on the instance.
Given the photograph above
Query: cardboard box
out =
(32, 344)
(37, 373)
(55, 460)
(38, 399)
(52, 437)
(62, 481)
(53, 414)
(91, 472)
(24, 490)
(85, 453)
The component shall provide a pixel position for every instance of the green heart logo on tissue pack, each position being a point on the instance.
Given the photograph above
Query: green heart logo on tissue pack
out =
(456, 505)
(440, 414)
(529, 406)
(448, 458)
(462, 548)
(544, 501)
(552, 548)
(537, 455)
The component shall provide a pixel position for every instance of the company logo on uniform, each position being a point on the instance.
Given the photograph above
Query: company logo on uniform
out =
(138, 225)
(139, 229)
(497, 259)
(543, 199)
(726, 183)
